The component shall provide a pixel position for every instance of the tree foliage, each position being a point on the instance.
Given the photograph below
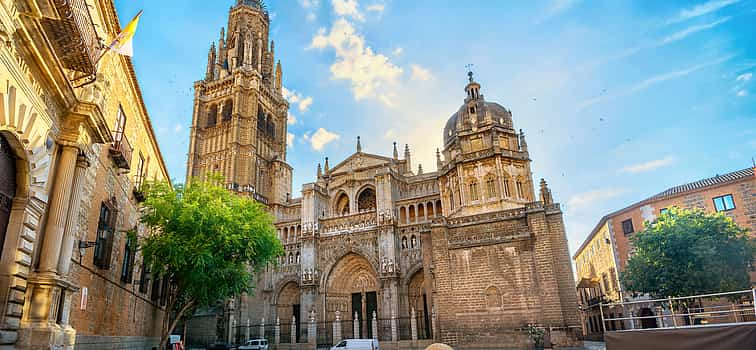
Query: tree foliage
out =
(206, 241)
(689, 252)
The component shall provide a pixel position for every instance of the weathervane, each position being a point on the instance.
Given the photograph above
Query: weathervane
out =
(469, 68)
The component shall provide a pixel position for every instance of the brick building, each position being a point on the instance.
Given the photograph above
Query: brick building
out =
(468, 255)
(602, 257)
(75, 144)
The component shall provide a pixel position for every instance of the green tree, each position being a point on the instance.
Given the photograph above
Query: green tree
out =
(206, 242)
(689, 252)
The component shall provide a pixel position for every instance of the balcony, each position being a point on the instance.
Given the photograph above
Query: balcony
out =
(73, 36)
(120, 150)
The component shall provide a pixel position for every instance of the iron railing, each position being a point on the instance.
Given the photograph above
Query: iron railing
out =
(689, 311)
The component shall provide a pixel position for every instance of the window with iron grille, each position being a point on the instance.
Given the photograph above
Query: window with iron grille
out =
(144, 277)
(105, 232)
(127, 267)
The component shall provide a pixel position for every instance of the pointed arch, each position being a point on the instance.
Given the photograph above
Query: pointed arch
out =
(341, 204)
(366, 199)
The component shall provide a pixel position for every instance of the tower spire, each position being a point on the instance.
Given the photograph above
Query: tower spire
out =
(359, 145)
(407, 157)
(396, 152)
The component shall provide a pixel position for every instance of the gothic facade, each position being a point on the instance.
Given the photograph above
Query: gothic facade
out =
(470, 253)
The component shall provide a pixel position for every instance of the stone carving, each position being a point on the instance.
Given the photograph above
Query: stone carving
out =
(388, 267)
(310, 276)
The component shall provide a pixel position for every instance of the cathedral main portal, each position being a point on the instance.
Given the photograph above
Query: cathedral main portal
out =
(352, 291)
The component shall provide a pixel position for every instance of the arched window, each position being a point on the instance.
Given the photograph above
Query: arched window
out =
(7, 186)
(473, 190)
(228, 109)
(212, 116)
(403, 215)
(342, 204)
(404, 242)
(431, 209)
(438, 208)
(421, 211)
(366, 200)
(291, 258)
(286, 234)
(506, 188)
(297, 258)
(520, 191)
(412, 213)
(413, 242)
(491, 187)
(493, 297)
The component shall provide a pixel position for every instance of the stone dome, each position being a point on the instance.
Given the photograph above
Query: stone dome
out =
(485, 113)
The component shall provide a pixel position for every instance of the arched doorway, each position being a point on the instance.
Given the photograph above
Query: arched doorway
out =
(352, 289)
(419, 301)
(7, 186)
(287, 306)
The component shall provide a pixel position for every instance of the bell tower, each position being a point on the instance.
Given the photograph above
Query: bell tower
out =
(239, 117)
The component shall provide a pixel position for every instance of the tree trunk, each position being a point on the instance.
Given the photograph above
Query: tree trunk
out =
(169, 325)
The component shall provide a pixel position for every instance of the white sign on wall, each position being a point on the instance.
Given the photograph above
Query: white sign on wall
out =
(84, 294)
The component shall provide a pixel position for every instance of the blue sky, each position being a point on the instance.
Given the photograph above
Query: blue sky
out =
(619, 99)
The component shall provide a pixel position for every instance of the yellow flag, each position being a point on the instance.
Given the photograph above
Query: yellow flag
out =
(123, 42)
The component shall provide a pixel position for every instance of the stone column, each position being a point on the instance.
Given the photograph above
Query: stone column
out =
(413, 325)
(246, 332)
(277, 332)
(293, 330)
(58, 209)
(394, 333)
(375, 326)
(337, 328)
(72, 219)
(262, 328)
(356, 326)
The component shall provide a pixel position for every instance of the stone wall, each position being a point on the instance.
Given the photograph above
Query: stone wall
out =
(491, 282)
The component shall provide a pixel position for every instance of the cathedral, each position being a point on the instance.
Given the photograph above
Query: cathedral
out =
(468, 255)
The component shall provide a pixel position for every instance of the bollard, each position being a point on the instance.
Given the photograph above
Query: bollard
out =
(356, 326)
(375, 326)
(337, 328)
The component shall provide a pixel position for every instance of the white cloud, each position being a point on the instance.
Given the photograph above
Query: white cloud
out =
(178, 128)
(390, 134)
(691, 30)
(648, 166)
(397, 51)
(742, 93)
(309, 3)
(701, 10)
(744, 77)
(645, 84)
(291, 119)
(310, 6)
(369, 73)
(321, 138)
(590, 198)
(379, 8)
(290, 140)
(303, 103)
(420, 73)
(347, 8)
